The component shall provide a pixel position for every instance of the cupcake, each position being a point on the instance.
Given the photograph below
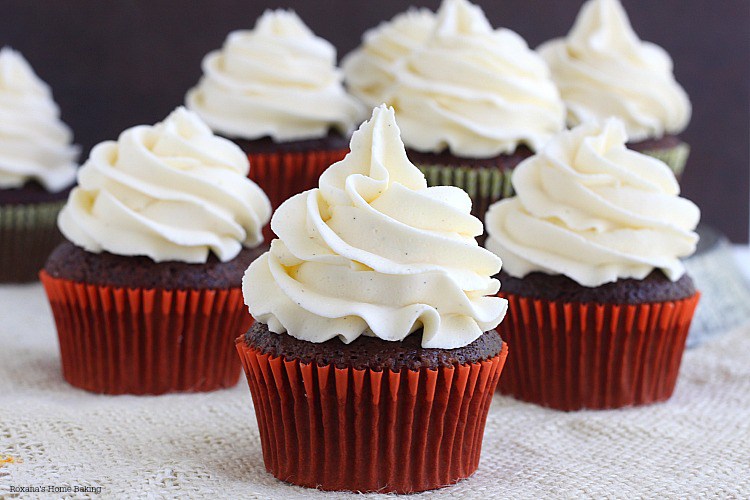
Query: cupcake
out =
(37, 169)
(472, 103)
(600, 304)
(276, 92)
(374, 337)
(603, 69)
(371, 70)
(146, 294)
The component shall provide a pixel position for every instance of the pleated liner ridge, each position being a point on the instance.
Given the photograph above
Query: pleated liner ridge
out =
(28, 234)
(146, 341)
(571, 356)
(282, 175)
(366, 430)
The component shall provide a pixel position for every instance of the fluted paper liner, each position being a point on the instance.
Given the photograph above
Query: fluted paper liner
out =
(675, 157)
(364, 430)
(570, 356)
(28, 234)
(146, 341)
(485, 185)
(283, 174)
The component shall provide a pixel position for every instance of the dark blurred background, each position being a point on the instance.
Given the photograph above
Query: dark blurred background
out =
(113, 64)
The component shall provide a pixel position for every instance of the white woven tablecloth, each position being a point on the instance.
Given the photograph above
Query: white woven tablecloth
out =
(207, 445)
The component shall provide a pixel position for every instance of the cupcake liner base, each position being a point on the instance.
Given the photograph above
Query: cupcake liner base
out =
(363, 430)
(146, 341)
(570, 356)
(28, 234)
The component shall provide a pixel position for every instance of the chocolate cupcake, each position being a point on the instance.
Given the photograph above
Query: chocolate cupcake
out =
(146, 296)
(473, 101)
(603, 69)
(37, 169)
(374, 333)
(275, 90)
(600, 305)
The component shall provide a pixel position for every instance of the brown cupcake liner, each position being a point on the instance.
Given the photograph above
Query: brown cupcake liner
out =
(146, 341)
(28, 234)
(365, 430)
(283, 174)
(570, 356)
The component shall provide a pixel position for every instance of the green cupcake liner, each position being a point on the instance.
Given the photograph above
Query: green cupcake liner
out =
(675, 157)
(28, 234)
(485, 185)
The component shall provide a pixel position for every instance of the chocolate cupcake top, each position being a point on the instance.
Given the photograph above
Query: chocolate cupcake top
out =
(374, 251)
(172, 191)
(35, 145)
(476, 91)
(277, 80)
(370, 70)
(591, 209)
(603, 69)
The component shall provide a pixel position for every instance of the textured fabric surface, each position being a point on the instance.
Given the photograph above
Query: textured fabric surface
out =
(207, 445)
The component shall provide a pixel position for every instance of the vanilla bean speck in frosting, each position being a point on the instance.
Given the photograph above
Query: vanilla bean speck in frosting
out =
(277, 80)
(371, 70)
(172, 191)
(473, 90)
(374, 251)
(603, 69)
(589, 208)
(35, 145)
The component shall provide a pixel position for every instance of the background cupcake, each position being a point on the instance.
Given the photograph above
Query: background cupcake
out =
(147, 297)
(275, 90)
(375, 327)
(37, 168)
(472, 103)
(600, 305)
(371, 70)
(603, 69)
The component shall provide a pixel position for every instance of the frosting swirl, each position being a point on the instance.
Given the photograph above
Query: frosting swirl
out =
(374, 251)
(593, 210)
(371, 69)
(477, 91)
(34, 143)
(603, 69)
(277, 80)
(172, 191)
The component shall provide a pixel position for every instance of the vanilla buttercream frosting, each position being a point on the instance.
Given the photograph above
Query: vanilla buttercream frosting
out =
(476, 91)
(370, 70)
(172, 191)
(35, 145)
(277, 80)
(603, 69)
(374, 251)
(589, 208)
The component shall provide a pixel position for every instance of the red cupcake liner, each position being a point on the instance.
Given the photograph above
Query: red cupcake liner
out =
(570, 356)
(364, 430)
(283, 174)
(146, 341)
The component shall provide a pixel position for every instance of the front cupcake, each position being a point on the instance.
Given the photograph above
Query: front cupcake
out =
(275, 90)
(146, 294)
(473, 102)
(603, 69)
(37, 169)
(374, 337)
(600, 304)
